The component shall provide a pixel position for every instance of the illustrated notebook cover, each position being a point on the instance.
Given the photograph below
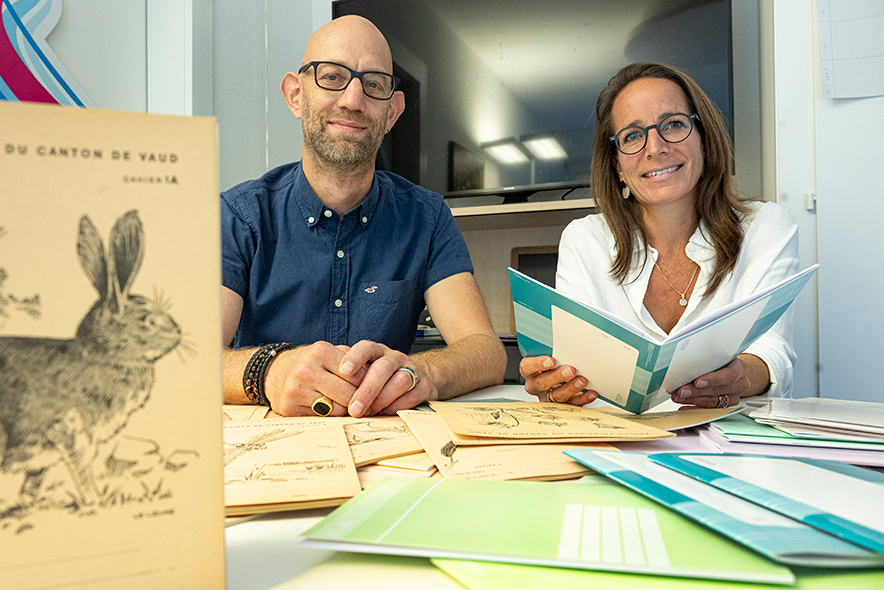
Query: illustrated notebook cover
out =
(110, 404)
(783, 539)
(292, 464)
(627, 367)
(593, 524)
(841, 499)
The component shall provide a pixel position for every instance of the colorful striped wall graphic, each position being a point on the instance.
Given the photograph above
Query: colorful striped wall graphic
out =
(29, 69)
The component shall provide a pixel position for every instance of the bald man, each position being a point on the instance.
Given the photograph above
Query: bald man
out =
(327, 263)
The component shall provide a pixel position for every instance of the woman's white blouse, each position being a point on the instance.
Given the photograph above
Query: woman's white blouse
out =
(769, 255)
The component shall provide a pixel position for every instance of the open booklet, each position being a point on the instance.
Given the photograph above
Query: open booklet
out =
(626, 366)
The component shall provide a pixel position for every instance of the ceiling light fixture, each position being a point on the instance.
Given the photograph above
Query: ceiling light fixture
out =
(544, 147)
(506, 151)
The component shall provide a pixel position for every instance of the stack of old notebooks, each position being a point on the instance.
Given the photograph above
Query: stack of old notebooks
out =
(273, 464)
(820, 428)
(301, 463)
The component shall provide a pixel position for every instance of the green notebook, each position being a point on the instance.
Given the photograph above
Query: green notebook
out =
(475, 575)
(594, 524)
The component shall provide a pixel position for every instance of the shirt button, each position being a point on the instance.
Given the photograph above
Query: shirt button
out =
(311, 219)
(340, 253)
(338, 303)
(327, 213)
(365, 220)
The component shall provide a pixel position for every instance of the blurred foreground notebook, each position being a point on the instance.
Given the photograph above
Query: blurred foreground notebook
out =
(110, 408)
(592, 524)
(628, 367)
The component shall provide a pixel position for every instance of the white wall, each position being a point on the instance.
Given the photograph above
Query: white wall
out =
(179, 57)
(103, 44)
(850, 200)
(815, 155)
(138, 56)
(788, 148)
(255, 44)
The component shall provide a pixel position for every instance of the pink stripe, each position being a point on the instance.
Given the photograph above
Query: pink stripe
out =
(16, 74)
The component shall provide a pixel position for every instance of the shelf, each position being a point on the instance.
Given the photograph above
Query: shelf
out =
(528, 207)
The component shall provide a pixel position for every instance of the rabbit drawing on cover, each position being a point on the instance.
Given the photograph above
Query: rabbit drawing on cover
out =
(62, 400)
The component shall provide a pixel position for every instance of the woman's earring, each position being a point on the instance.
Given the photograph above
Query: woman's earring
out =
(625, 192)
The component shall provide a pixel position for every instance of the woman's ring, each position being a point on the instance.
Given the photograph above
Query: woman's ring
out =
(413, 374)
(322, 406)
(723, 401)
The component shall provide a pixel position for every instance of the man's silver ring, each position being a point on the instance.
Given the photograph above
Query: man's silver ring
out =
(413, 374)
(723, 401)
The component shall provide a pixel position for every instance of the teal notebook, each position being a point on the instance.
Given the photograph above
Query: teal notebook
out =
(783, 539)
(627, 367)
(596, 525)
(841, 499)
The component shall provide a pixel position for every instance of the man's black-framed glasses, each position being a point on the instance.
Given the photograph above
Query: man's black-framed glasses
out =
(336, 77)
(673, 129)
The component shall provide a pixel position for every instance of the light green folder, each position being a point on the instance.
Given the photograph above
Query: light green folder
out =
(596, 525)
(474, 575)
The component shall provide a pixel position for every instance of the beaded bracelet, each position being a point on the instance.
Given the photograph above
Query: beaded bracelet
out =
(256, 368)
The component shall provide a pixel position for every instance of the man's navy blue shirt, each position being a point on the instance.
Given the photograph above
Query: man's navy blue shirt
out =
(306, 274)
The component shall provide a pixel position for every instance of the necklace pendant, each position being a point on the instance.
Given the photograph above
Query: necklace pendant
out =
(683, 302)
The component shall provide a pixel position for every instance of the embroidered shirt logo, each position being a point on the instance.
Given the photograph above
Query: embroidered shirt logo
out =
(372, 289)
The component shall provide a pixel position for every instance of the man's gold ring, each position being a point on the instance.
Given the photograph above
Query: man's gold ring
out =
(412, 373)
(322, 406)
(549, 398)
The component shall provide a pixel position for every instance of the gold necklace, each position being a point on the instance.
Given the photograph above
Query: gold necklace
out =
(683, 301)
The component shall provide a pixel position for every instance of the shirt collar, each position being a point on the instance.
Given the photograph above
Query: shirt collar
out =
(311, 208)
(698, 249)
(369, 205)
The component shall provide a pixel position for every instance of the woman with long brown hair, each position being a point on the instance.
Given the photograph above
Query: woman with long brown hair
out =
(673, 241)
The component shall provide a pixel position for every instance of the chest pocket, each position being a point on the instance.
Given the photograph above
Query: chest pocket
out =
(387, 312)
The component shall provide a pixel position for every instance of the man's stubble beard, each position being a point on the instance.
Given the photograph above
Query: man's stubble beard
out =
(342, 153)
